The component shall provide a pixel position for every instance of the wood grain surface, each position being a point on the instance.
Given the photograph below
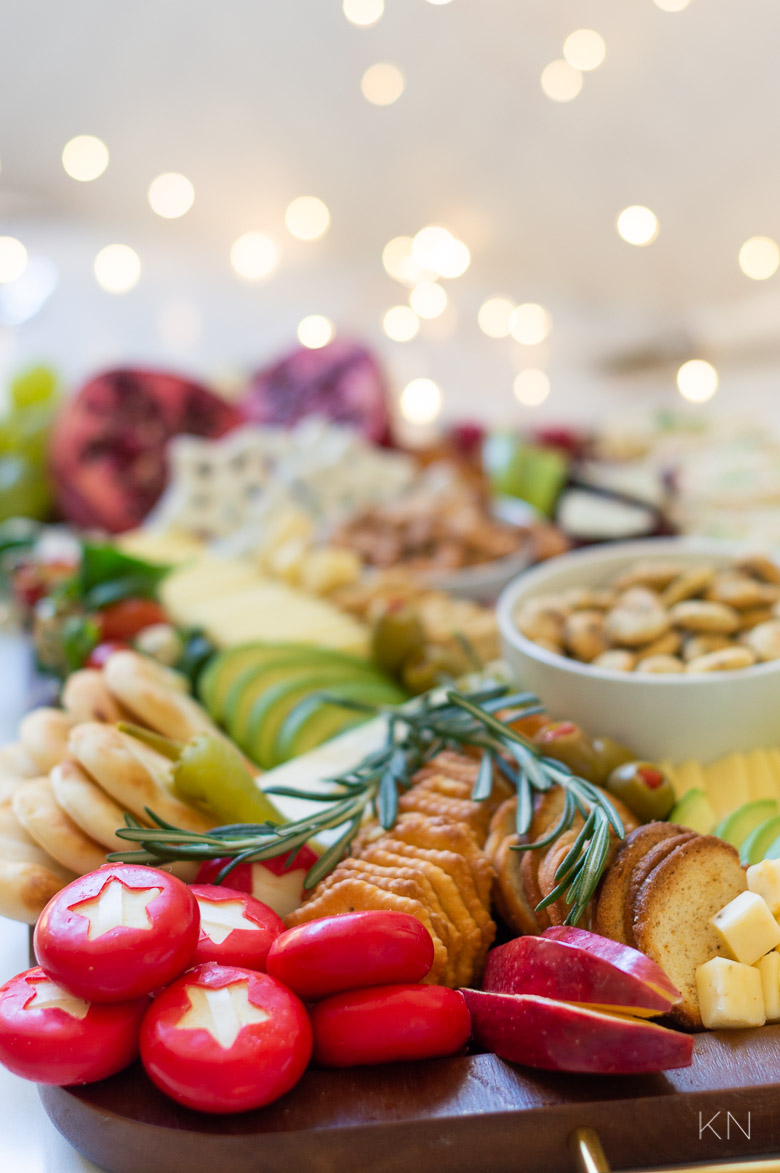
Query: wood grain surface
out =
(475, 1114)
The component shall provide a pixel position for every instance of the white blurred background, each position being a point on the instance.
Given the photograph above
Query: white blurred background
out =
(485, 130)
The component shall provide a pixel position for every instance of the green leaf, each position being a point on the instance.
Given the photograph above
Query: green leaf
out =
(80, 635)
(106, 575)
(484, 784)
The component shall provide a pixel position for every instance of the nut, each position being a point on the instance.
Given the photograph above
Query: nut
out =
(661, 664)
(725, 660)
(584, 635)
(666, 645)
(687, 585)
(639, 598)
(701, 645)
(737, 590)
(697, 615)
(761, 567)
(616, 659)
(540, 620)
(650, 574)
(633, 628)
(764, 640)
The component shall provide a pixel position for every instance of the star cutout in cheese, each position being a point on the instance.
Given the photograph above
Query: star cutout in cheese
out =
(47, 995)
(117, 905)
(223, 1012)
(218, 919)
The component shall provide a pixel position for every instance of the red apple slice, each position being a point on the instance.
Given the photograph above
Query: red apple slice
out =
(577, 966)
(558, 1036)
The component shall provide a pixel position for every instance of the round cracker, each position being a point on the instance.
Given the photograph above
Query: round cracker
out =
(26, 889)
(126, 771)
(153, 694)
(37, 810)
(44, 735)
(88, 805)
(86, 698)
(16, 846)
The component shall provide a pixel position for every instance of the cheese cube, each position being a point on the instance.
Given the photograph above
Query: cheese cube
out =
(746, 927)
(730, 994)
(764, 879)
(769, 968)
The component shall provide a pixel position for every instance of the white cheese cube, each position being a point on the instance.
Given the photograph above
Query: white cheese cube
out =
(746, 927)
(764, 879)
(730, 994)
(769, 968)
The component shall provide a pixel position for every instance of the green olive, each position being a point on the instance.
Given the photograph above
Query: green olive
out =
(644, 789)
(424, 670)
(567, 743)
(609, 755)
(398, 634)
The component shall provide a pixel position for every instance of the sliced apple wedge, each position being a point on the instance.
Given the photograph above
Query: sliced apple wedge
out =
(558, 1036)
(576, 966)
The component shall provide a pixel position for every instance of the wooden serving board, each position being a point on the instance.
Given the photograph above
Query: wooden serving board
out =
(474, 1114)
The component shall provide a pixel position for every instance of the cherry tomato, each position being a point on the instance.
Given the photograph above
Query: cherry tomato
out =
(389, 1023)
(225, 1039)
(235, 929)
(103, 652)
(49, 1035)
(126, 618)
(270, 880)
(118, 932)
(352, 950)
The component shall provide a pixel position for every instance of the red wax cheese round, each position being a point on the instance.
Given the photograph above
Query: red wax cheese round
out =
(225, 1039)
(235, 929)
(353, 950)
(389, 1023)
(277, 882)
(51, 1036)
(119, 932)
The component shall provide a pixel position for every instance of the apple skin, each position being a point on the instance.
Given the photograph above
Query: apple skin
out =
(578, 968)
(557, 1036)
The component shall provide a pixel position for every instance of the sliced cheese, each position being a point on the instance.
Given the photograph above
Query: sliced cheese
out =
(688, 776)
(761, 777)
(726, 785)
(730, 994)
(764, 879)
(769, 968)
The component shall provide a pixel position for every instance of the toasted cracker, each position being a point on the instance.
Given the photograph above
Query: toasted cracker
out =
(612, 894)
(529, 878)
(473, 814)
(502, 824)
(37, 810)
(85, 697)
(640, 872)
(550, 861)
(16, 846)
(673, 911)
(509, 894)
(26, 889)
(445, 835)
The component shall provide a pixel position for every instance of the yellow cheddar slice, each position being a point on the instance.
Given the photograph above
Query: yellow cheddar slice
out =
(761, 778)
(764, 879)
(688, 776)
(730, 994)
(773, 760)
(726, 784)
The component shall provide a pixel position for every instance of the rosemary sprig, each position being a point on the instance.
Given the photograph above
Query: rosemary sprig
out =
(416, 732)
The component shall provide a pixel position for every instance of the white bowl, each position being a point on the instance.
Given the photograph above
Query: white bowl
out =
(671, 718)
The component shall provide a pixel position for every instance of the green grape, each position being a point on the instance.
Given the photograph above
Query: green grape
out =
(35, 386)
(26, 433)
(24, 490)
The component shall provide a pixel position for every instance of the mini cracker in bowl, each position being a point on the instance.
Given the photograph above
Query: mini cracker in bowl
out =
(670, 645)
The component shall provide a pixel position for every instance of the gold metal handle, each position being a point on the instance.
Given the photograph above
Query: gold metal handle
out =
(588, 1154)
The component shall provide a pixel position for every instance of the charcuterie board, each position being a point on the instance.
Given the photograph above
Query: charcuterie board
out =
(448, 1116)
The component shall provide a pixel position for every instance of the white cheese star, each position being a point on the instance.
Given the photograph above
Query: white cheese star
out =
(223, 1012)
(48, 995)
(117, 905)
(218, 918)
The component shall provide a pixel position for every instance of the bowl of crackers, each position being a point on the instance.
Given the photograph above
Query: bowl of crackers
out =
(671, 645)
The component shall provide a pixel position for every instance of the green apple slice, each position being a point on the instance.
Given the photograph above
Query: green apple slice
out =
(694, 810)
(312, 722)
(736, 827)
(759, 841)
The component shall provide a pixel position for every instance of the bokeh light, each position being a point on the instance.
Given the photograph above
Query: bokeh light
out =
(85, 157)
(171, 195)
(382, 84)
(117, 268)
(400, 264)
(436, 249)
(697, 380)
(531, 387)
(637, 225)
(315, 331)
(307, 218)
(672, 5)
(584, 49)
(400, 323)
(759, 258)
(421, 401)
(13, 259)
(495, 315)
(254, 256)
(364, 13)
(530, 323)
(560, 81)
(428, 300)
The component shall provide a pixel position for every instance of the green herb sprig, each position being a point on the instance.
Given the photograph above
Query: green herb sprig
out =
(416, 732)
